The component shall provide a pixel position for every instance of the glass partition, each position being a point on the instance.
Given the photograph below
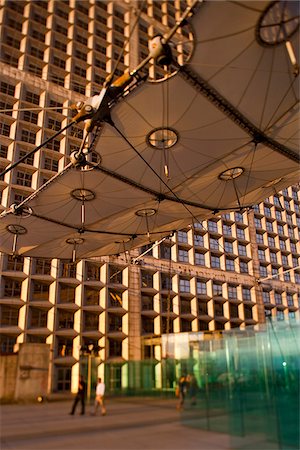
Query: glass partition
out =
(246, 382)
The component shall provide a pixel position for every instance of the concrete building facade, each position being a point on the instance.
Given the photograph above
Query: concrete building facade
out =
(216, 275)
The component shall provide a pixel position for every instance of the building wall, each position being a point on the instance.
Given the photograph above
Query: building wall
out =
(8, 376)
(33, 370)
(25, 375)
(214, 275)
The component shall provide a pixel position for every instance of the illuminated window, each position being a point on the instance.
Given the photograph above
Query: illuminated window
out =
(115, 299)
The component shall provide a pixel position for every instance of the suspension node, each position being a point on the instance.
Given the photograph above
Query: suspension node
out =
(166, 58)
(160, 51)
(18, 210)
(257, 138)
(85, 111)
(14, 209)
(78, 159)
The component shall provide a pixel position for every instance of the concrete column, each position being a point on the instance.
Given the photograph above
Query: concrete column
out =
(255, 265)
(32, 372)
(134, 311)
(133, 53)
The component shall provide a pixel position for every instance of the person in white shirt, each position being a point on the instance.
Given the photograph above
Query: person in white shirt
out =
(99, 400)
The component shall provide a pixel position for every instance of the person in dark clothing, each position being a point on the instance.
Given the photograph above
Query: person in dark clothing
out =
(182, 388)
(193, 389)
(80, 397)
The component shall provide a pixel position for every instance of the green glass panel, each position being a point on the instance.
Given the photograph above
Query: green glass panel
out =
(247, 382)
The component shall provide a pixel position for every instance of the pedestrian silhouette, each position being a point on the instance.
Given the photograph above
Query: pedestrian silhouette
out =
(80, 397)
(182, 390)
(99, 400)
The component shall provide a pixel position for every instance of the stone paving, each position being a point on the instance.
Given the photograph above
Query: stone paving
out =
(130, 424)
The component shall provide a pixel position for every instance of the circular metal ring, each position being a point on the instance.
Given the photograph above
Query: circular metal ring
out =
(75, 241)
(231, 174)
(124, 241)
(277, 23)
(83, 194)
(147, 212)
(23, 211)
(15, 228)
(162, 138)
(272, 182)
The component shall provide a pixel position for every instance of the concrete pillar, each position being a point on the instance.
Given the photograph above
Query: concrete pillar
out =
(255, 263)
(134, 311)
(32, 372)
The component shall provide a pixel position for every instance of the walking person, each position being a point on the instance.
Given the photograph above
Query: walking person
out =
(182, 389)
(193, 389)
(80, 397)
(99, 400)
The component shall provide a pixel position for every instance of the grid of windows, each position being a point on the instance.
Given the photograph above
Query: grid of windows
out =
(83, 291)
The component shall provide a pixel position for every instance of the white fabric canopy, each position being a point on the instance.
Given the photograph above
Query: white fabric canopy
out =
(233, 112)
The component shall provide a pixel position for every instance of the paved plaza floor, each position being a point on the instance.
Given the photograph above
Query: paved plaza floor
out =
(130, 424)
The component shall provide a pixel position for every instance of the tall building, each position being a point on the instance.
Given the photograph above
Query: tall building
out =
(223, 273)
